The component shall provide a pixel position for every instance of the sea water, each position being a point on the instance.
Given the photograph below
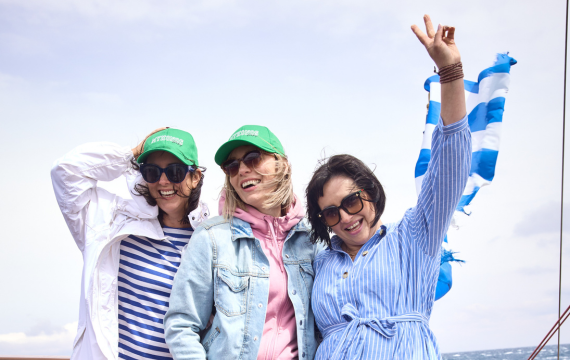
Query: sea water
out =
(522, 353)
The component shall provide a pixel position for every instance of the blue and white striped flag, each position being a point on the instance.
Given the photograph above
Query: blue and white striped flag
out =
(485, 106)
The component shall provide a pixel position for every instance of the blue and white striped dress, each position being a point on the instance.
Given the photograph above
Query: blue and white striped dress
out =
(146, 273)
(378, 307)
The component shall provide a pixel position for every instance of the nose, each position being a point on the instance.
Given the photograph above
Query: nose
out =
(163, 179)
(344, 216)
(243, 168)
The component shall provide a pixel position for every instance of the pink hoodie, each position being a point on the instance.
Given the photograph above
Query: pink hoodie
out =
(279, 340)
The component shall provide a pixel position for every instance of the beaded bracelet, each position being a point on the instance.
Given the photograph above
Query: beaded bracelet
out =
(450, 73)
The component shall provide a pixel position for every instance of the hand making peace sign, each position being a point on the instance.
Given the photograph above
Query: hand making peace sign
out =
(439, 44)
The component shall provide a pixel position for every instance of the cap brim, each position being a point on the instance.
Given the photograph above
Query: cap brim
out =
(142, 158)
(225, 150)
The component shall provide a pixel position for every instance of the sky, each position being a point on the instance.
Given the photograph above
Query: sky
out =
(327, 77)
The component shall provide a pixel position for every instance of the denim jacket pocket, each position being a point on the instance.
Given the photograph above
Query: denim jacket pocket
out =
(215, 332)
(231, 292)
(308, 275)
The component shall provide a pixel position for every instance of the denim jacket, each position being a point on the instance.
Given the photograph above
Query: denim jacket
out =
(224, 272)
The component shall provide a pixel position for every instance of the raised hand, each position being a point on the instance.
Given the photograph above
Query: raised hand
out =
(138, 150)
(439, 44)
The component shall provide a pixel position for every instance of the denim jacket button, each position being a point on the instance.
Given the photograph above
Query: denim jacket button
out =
(301, 323)
(303, 355)
(287, 256)
(294, 292)
(263, 268)
(255, 338)
(259, 305)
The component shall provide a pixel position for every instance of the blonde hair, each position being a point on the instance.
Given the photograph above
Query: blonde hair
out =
(281, 184)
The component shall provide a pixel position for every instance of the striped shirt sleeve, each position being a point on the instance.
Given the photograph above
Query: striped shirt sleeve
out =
(443, 184)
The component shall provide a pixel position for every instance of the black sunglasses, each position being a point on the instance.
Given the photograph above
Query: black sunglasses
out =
(351, 204)
(251, 160)
(175, 173)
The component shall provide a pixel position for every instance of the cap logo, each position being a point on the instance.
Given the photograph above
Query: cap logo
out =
(168, 138)
(244, 133)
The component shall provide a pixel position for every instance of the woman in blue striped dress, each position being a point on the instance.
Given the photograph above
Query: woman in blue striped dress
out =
(374, 287)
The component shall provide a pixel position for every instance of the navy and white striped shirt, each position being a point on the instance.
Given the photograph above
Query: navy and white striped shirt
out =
(146, 273)
(378, 307)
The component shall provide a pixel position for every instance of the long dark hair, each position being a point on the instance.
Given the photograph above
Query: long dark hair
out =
(352, 168)
(191, 205)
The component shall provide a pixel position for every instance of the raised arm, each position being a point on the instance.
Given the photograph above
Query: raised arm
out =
(450, 161)
(75, 175)
(441, 47)
(74, 178)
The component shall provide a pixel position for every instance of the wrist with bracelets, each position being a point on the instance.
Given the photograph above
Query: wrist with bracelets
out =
(450, 73)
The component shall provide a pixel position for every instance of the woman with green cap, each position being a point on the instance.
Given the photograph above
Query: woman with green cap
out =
(131, 247)
(244, 285)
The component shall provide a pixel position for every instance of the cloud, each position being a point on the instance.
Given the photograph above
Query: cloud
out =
(543, 219)
(42, 339)
(162, 12)
(340, 17)
(546, 271)
(101, 98)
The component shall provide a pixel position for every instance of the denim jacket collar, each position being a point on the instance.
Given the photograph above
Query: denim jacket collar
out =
(242, 230)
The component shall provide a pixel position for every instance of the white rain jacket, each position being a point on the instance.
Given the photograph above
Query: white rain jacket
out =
(98, 221)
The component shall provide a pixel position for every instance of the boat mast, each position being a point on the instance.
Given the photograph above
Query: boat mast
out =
(562, 184)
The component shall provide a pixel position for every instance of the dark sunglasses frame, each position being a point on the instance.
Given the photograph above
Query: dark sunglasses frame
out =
(247, 162)
(343, 207)
(188, 168)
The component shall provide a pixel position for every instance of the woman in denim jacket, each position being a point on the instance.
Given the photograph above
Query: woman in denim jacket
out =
(244, 286)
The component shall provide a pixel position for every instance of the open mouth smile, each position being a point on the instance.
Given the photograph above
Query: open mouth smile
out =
(354, 226)
(166, 194)
(249, 183)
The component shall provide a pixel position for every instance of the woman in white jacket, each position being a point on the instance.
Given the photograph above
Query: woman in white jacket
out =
(131, 247)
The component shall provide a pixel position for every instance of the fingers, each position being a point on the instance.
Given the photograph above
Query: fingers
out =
(157, 130)
(438, 35)
(449, 33)
(140, 147)
(421, 36)
(429, 26)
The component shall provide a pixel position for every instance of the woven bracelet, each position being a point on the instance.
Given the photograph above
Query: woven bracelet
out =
(450, 73)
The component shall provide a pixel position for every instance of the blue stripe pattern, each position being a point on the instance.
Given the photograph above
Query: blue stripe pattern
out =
(378, 306)
(146, 273)
(485, 106)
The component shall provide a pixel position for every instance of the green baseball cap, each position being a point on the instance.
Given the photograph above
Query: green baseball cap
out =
(259, 136)
(177, 142)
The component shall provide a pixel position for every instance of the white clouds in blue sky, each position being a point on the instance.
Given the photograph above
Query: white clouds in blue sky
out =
(326, 77)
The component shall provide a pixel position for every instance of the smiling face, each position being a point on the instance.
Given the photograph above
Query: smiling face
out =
(248, 183)
(165, 192)
(355, 229)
